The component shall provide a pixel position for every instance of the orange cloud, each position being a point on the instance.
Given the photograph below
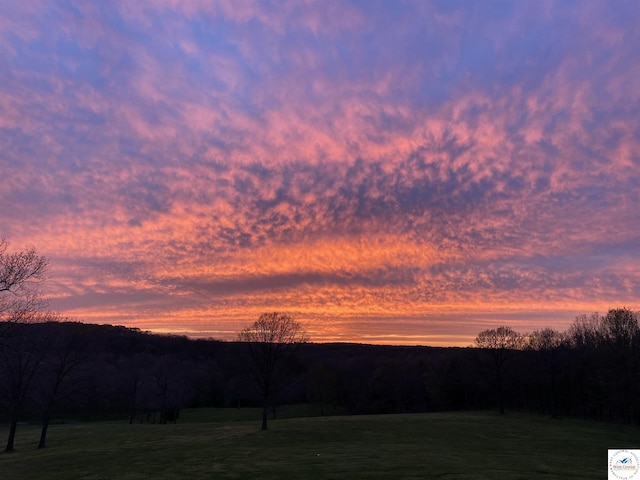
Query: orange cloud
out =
(401, 173)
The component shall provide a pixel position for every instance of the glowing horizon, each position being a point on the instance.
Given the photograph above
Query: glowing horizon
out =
(387, 173)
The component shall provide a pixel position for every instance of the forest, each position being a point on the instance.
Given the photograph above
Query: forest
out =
(68, 371)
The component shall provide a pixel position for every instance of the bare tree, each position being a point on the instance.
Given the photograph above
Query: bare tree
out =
(22, 351)
(584, 332)
(20, 275)
(620, 327)
(547, 343)
(584, 340)
(500, 344)
(60, 371)
(620, 357)
(20, 302)
(171, 381)
(272, 341)
(19, 272)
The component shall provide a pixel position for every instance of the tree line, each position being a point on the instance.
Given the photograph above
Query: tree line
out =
(591, 370)
(63, 371)
(53, 369)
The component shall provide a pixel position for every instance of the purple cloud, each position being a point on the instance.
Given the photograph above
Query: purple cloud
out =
(388, 166)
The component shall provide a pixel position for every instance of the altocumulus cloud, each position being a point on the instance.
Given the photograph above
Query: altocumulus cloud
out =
(407, 172)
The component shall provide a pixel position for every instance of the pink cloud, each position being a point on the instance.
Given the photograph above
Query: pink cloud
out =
(234, 158)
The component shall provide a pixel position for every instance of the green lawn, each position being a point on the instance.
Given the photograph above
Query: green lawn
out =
(437, 445)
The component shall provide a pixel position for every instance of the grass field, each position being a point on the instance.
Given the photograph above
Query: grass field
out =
(211, 444)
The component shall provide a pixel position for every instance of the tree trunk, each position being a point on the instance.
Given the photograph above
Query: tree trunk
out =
(12, 435)
(46, 418)
(500, 396)
(265, 414)
(555, 404)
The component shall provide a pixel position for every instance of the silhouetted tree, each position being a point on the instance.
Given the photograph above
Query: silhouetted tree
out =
(64, 355)
(585, 340)
(20, 273)
(584, 332)
(620, 349)
(135, 382)
(20, 303)
(171, 384)
(22, 351)
(271, 340)
(620, 327)
(547, 344)
(500, 344)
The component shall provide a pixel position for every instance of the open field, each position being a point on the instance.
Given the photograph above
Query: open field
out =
(437, 445)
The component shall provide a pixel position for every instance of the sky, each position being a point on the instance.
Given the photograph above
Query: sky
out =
(392, 172)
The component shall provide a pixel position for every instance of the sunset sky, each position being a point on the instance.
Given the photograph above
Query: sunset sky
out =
(404, 172)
